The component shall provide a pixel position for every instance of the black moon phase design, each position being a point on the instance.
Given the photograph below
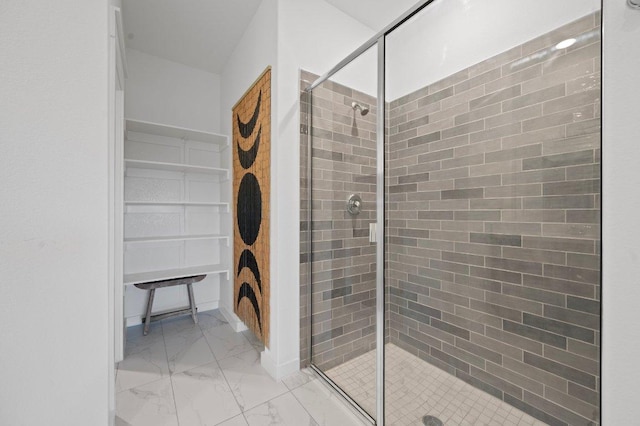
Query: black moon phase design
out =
(248, 157)
(246, 129)
(251, 160)
(248, 260)
(247, 291)
(249, 208)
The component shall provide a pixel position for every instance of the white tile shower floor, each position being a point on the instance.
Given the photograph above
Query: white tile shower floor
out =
(185, 374)
(415, 388)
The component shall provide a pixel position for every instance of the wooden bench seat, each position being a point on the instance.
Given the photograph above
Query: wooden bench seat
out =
(153, 285)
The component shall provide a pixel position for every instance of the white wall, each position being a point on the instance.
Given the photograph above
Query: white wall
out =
(314, 36)
(621, 204)
(53, 238)
(450, 35)
(255, 51)
(288, 35)
(166, 92)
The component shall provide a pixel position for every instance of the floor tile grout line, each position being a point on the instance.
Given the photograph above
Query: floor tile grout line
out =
(207, 340)
(208, 346)
(231, 389)
(312, 378)
(216, 360)
(237, 332)
(225, 380)
(175, 403)
(255, 406)
(141, 385)
(229, 356)
(267, 401)
(152, 381)
(224, 376)
(303, 406)
(173, 392)
(230, 418)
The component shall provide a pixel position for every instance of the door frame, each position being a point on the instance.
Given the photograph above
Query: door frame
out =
(117, 73)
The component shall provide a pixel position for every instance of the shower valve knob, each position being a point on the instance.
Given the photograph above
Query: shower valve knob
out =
(354, 204)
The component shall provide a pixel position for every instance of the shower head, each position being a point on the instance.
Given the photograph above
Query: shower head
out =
(363, 111)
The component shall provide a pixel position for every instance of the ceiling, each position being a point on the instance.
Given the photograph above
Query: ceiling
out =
(376, 14)
(198, 33)
(203, 33)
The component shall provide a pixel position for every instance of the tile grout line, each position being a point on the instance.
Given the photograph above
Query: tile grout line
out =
(232, 393)
(302, 405)
(216, 361)
(242, 411)
(173, 392)
(224, 376)
(144, 384)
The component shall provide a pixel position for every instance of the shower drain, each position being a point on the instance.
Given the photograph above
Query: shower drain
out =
(431, 421)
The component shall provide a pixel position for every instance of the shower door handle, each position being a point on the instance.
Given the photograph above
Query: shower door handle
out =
(373, 229)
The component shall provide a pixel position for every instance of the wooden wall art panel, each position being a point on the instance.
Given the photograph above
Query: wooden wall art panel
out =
(251, 192)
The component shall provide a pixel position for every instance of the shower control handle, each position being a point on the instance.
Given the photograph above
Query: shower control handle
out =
(354, 204)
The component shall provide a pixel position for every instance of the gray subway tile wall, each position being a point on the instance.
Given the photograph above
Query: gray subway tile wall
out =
(492, 225)
(512, 251)
(343, 144)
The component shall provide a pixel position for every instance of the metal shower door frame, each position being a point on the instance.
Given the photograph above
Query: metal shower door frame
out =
(379, 40)
(380, 246)
(379, 238)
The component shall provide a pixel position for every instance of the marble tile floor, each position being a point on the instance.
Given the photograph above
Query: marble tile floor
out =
(183, 374)
(415, 388)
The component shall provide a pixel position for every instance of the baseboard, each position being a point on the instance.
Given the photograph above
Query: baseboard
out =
(131, 321)
(233, 320)
(202, 307)
(278, 372)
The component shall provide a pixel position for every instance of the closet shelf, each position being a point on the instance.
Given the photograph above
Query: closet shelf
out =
(139, 126)
(177, 238)
(167, 274)
(177, 203)
(176, 167)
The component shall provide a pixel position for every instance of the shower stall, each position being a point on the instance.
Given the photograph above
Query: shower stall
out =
(450, 216)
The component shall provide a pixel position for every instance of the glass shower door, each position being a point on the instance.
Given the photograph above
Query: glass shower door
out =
(493, 213)
(342, 213)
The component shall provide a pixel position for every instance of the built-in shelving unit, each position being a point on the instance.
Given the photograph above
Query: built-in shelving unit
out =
(177, 238)
(224, 206)
(176, 206)
(163, 130)
(176, 167)
(167, 274)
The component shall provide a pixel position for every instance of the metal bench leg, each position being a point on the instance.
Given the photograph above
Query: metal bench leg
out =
(147, 320)
(192, 304)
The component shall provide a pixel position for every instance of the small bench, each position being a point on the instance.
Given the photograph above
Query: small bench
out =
(153, 285)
